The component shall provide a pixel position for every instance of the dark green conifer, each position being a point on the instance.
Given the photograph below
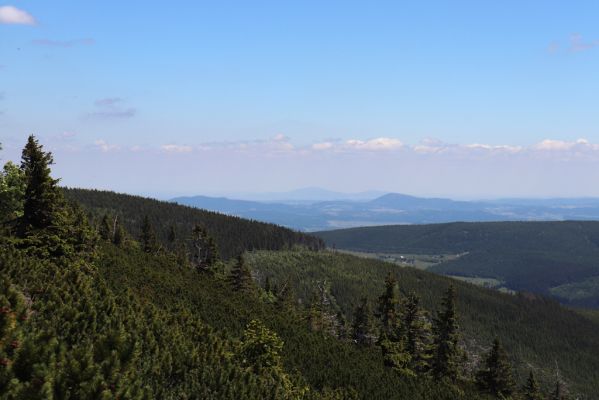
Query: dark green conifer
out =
(532, 390)
(447, 354)
(418, 334)
(119, 233)
(496, 375)
(387, 306)
(361, 327)
(172, 236)
(43, 198)
(240, 278)
(149, 242)
(104, 230)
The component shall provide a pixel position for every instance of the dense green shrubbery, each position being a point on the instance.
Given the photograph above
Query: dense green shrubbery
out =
(537, 332)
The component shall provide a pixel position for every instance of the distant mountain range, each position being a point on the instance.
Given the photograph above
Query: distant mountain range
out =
(298, 211)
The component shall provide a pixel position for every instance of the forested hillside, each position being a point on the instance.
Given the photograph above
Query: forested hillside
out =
(560, 259)
(233, 235)
(537, 332)
(92, 310)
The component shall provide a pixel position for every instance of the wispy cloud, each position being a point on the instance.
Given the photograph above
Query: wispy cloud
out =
(430, 148)
(578, 44)
(15, 16)
(106, 147)
(175, 148)
(112, 108)
(64, 43)
(369, 145)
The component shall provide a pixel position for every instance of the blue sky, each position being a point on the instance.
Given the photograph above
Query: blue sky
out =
(460, 98)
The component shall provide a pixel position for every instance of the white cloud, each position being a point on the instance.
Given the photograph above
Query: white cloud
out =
(175, 148)
(560, 145)
(495, 148)
(382, 143)
(105, 147)
(12, 15)
(323, 146)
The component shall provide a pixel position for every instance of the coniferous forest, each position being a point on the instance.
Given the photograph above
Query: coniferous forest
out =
(108, 296)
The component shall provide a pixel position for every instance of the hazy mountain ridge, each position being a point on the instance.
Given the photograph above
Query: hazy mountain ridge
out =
(395, 208)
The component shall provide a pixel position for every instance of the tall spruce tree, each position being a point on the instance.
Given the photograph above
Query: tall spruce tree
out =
(496, 376)
(104, 229)
(532, 390)
(43, 198)
(361, 327)
(240, 278)
(149, 241)
(418, 334)
(171, 237)
(387, 307)
(447, 354)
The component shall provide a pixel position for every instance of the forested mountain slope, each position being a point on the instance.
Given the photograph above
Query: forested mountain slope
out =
(233, 235)
(538, 333)
(551, 258)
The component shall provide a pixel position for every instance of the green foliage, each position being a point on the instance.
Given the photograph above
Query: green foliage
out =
(418, 335)
(205, 251)
(240, 277)
(496, 376)
(448, 356)
(12, 192)
(535, 331)
(148, 239)
(42, 199)
(532, 390)
(362, 327)
(387, 307)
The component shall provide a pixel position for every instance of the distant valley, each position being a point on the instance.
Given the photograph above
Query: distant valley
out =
(297, 211)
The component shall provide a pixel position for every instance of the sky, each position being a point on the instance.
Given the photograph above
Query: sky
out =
(463, 99)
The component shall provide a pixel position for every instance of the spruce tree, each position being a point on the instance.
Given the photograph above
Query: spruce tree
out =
(361, 327)
(387, 307)
(531, 390)
(149, 241)
(418, 334)
(447, 354)
(496, 375)
(172, 236)
(241, 277)
(104, 229)
(43, 198)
